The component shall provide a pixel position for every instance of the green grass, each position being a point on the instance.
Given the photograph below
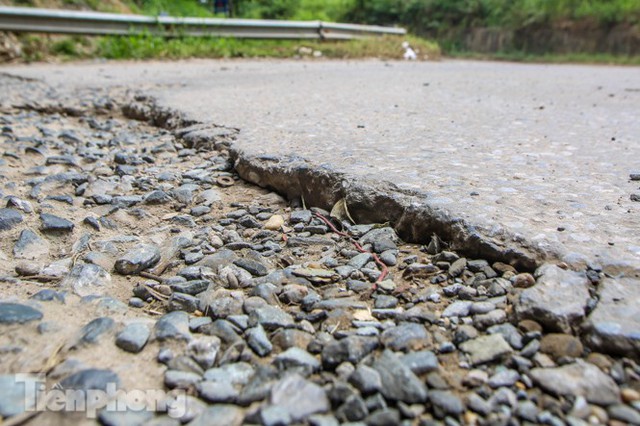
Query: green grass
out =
(551, 58)
(447, 21)
(147, 47)
(38, 48)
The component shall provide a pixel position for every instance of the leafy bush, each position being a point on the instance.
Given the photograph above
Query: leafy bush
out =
(432, 15)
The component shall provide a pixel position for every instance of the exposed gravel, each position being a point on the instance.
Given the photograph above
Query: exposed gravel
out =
(135, 256)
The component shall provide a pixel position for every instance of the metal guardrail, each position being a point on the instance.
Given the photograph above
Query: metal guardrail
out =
(25, 19)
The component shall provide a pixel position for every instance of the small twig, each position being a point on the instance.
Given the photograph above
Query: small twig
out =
(44, 278)
(384, 271)
(335, 328)
(151, 276)
(159, 296)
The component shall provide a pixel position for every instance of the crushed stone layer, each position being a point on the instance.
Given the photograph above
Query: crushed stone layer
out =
(134, 255)
(532, 158)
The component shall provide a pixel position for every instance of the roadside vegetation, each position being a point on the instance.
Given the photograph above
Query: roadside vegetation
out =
(38, 48)
(600, 31)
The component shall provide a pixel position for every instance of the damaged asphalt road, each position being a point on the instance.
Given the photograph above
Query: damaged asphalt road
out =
(521, 323)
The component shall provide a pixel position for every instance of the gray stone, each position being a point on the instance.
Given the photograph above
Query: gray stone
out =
(95, 330)
(613, 326)
(445, 403)
(482, 307)
(140, 258)
(192, 287)
(557, 301)
(67, 160)
(181, 379)
(125, 418)
(204, 350)
(126, 201)
(191, 409)
(382, 239)
(136, 302)
(270, 317)
(290, 337)
(196, 323)
(486, 348)
(366, 380)
(406, 337)
(477, 265)
(389, 258)
(91, 379)
(457, 267)
(300, 216)
(274, 415)
(478, 404)
(624, 413)
(249, 221)
(92, 222)
(384, 301)
(20, 204)
(9, 218)
(420, 362)
(463, 333)
(578, 379)
(87, 279)
(482, 321)
(353, 409)
(323, 420)
(301, 398)
(351, 349)
(134, 337)
(237, 373)
(174, 325)
(221, 303)
(14, 313)
(510, 333)
(17, 393)
(258, 341)
(256, 269)
(184, 194)
(503, 397)
(30, 246)
(26, 268)
(182, 302)
(49, 295)
(460, 308)
(398, 381)
(359, 260)
(309, 241)
(157, 197)
(298, 359)
(224, 330)
(55, 224)
(240, 321)
(506, 377)
(208, 197)
(193, 257)
(527, 410)
(163, 420)
(217, 392)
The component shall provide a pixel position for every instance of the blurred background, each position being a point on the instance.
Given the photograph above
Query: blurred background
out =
(547, 30)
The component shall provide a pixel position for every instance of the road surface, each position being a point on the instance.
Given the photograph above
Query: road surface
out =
(540, 153)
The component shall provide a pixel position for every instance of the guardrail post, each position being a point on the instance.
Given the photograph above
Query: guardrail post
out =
(321, 35)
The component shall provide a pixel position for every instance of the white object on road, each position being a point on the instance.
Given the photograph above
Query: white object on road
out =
(409, 53)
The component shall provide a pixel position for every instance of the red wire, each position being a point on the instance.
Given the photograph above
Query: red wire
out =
(384, 270)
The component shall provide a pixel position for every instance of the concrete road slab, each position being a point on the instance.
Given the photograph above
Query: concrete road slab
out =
(522, 154)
